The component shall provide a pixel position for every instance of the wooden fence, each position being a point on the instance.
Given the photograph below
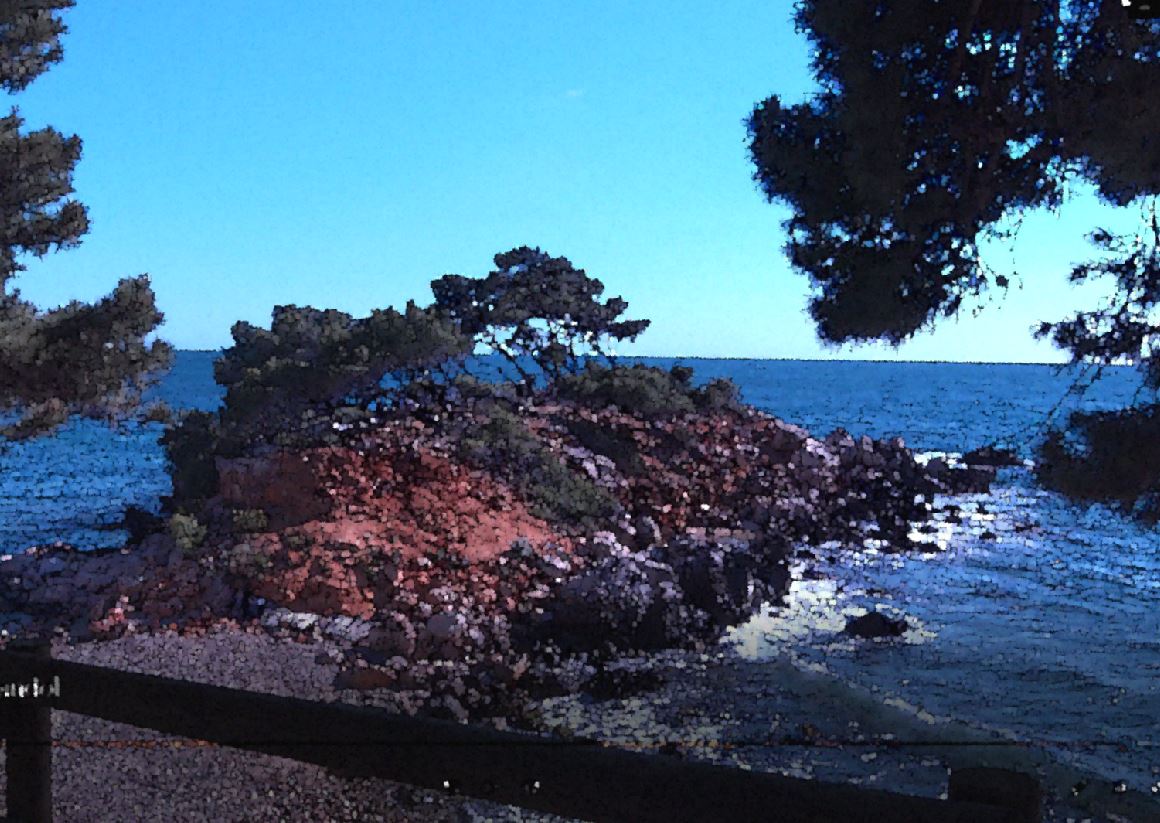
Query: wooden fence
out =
(584, 781)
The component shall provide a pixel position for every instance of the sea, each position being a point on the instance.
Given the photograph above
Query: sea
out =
(1033, 617)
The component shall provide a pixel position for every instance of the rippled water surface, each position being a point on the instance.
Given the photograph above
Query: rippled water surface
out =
(1048, 632)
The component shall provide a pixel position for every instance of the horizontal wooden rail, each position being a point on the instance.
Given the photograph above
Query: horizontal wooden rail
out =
(585, 781)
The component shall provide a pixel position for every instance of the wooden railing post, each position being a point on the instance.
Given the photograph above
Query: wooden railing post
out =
(1019, 792)
(28, 738)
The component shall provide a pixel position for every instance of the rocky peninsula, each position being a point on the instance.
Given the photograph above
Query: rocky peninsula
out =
(463, 546)
(502, 550)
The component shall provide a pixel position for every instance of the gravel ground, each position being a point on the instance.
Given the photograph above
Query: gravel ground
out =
(112, 772)
(775, 718)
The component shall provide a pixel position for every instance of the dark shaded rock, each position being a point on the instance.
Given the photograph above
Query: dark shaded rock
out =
(962, 479)
(624, 598)
(364, 679)
(252, 608)
(873, 624)
(447, 707)
(141, 523)
(716, 577)
(394, 636)
(374, 657)
(619, 683)
(648, 533)
(445, 626)
(79, 631)
(991, 456)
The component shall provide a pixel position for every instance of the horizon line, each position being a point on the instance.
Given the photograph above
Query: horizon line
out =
(743, 358)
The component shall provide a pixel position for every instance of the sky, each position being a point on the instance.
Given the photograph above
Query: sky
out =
(343, 155)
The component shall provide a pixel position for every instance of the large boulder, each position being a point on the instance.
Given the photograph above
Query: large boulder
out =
(716, 576)
(625, 599)
(394, 635)
(285, 486)
(952, 479)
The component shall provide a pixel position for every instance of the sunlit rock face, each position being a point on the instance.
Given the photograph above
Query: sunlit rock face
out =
(345, 517)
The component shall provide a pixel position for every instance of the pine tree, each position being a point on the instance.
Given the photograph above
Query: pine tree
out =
(935, 122)
(537, 311)
(86, 359)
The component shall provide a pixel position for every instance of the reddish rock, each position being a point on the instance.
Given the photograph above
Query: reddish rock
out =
(285, 486)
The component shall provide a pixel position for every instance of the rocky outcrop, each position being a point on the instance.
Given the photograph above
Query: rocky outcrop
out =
(960, 479)
(682, 593)
(437, 572)
(104, 594)
(874, 624)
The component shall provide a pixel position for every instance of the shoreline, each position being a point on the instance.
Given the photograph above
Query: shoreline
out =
(784, 719)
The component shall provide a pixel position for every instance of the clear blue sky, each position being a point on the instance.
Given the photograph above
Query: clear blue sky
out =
(345, 154)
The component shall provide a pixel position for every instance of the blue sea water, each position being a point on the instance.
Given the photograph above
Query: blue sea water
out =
(1049, 632)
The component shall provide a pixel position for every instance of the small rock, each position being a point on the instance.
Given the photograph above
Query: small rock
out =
(874, 624)
(364, 679)
(991, 456)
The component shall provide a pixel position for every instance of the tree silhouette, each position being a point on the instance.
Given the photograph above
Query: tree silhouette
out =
(937, 120)
(86, 359)
(537, 310)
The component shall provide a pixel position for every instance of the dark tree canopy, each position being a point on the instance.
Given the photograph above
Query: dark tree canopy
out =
(87, 359)
(534, 308)
(311, 358)
(937, 120)
(29, 40)
(539, 308)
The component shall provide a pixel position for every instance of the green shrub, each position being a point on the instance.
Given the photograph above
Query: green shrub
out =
(682, 374)
(472, 388)
(186, 532)
(558, 494)
(718, 395)
(250, 520)
(501, 440)
(641, 390)
(553, 491)
(245, 561)
(311, 359)
(536, 309)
